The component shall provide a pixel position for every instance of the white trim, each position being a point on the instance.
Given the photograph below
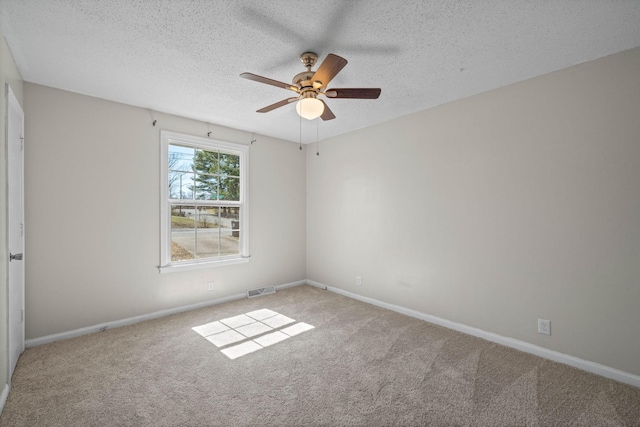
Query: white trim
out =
(3, 397)
(166, 137)
(200, 265)
(34, 342)
(585, 365)
(14, 107)
(290, 285)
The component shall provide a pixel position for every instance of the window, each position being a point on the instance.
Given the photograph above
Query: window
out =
(204, 202)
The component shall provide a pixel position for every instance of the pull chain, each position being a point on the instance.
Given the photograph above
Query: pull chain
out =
(317, 138)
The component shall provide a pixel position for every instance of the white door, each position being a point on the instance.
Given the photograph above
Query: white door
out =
(15, 226)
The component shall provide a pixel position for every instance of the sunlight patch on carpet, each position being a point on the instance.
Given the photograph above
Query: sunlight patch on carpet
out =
(240, 335)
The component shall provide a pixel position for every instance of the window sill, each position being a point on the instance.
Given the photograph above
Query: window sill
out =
(202, 264)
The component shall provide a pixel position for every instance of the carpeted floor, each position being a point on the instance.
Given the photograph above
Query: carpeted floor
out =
(317, 359)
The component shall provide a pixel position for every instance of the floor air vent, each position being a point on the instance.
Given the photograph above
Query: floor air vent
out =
(261, 291)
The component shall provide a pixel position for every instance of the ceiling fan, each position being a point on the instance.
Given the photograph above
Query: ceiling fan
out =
(311, 84)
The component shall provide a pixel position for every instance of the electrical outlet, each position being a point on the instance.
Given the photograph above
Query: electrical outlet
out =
(358, 280)
(544, 326)
(210, 286)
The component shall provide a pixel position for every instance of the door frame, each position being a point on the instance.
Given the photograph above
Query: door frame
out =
(13, 107)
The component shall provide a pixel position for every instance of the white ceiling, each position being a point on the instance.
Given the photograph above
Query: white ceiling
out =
(184, 57)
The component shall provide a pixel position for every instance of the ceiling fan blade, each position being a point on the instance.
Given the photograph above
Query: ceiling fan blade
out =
(331, 66)
(260, 79)
(327, 114)
(277, 105)
(355, 93)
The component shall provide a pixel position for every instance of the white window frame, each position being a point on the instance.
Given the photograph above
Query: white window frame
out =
(167, 138)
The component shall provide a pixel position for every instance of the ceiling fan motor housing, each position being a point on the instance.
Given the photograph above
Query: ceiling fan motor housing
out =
(308, 59)
(303, 79)
(309, 93)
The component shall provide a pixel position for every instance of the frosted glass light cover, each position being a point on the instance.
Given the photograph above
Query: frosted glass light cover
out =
(310, 108)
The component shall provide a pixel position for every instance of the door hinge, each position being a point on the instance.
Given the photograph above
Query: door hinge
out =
(21, 144)
(21, 229)
(22, 315)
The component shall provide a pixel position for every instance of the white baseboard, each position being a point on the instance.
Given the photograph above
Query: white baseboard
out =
(137, 319)
(291, 285)
(585, 365)
(3, 397)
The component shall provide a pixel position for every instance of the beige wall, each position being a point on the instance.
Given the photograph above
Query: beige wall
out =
(492, 211)
(9, 74)
(92, 210)
(515, 204)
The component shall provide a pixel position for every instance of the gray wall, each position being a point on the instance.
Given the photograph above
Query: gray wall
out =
(92, 212)
(515, 204)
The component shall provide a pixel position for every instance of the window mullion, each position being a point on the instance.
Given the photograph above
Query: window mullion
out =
(195, 232)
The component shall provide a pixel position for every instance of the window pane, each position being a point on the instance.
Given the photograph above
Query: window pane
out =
(208, 232)
(235, 223)
(183, 233)
(229, 164)
(206, 162)
(207, 217)
(208, 242)
(206, 187)
(204, 232)
(180, 185)
(230, 188)
(230, 231)
(181, 158)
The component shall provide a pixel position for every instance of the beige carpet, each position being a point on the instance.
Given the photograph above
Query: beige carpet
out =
(319, 359)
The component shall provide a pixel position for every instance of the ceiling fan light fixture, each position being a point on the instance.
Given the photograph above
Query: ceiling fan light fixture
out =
(310, 108)
(308, 85)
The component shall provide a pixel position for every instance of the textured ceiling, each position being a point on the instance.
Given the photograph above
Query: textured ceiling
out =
(184, 57)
